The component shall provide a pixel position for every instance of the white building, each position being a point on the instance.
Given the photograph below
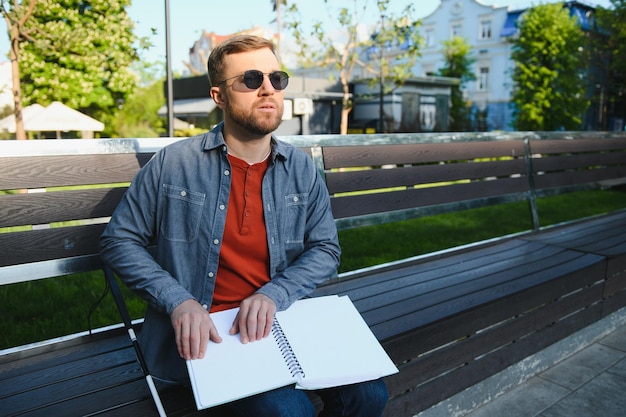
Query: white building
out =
(485, 28)
(488, 30)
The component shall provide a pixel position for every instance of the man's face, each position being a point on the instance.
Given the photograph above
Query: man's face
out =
(257, 111)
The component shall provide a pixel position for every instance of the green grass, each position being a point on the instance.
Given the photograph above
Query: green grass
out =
(43, 309)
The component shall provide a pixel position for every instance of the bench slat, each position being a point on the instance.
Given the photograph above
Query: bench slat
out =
(378, 155)
(586, 161)
(557, 146)
(58, 206)
(69, 170)
(577, 178)
(371, 179)
(363, 204)
(46, 244)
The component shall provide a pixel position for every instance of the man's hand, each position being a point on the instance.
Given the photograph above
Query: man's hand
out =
(193, 328)
(254, 319)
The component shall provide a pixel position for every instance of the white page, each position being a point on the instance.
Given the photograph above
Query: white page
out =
(333, 343)
(231, 370)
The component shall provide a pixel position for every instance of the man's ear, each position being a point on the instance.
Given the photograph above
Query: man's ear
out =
(217, 97)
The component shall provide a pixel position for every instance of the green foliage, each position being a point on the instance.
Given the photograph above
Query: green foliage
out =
(458, 64)
(432, 233)
(80, 54)
(137, 116)
(549, 90)
(44, 309)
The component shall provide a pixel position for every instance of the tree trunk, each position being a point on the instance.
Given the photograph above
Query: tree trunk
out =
(20, 133)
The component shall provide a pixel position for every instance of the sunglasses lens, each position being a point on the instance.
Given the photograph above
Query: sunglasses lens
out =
(279, 80)
(254, 78)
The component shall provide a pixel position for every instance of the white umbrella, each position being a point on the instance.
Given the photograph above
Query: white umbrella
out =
(57, 117)
(8, 123)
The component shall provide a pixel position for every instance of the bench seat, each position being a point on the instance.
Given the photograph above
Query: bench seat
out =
(451, 321)
(86, 375)
(495, 302)
(605, 236)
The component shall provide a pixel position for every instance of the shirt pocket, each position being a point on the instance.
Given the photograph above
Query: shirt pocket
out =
(182, 211)
(295, 216)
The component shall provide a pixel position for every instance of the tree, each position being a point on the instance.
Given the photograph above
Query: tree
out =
(609, 55)
(138, 115)
(458, 65)
(324, 48)
(16, 15)
(548, 86)
(80, 53)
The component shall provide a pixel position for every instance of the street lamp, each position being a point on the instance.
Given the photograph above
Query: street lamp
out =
(381, 81)
(168, 59)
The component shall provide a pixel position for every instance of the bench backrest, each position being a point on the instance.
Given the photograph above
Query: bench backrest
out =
(61, 192)
(371, 184)
(60, 195)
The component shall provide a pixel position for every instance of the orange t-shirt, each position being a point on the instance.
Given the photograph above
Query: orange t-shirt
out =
(244, 256)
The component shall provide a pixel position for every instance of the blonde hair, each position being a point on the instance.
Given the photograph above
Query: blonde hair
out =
(236, 44)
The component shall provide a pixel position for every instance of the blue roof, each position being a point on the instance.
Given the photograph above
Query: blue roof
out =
(510, 24)
(582, 13)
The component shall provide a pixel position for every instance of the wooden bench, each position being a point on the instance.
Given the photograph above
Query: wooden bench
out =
(448, 319)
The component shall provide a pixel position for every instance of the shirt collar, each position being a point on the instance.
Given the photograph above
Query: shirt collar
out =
(215, 139)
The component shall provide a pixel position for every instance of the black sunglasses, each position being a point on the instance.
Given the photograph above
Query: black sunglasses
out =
(254, 78)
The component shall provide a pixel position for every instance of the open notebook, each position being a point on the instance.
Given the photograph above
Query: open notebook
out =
(316, 343)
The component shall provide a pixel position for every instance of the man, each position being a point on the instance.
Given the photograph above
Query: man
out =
(240, 220)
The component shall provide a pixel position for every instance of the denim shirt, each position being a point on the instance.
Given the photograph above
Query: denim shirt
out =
(179, 201)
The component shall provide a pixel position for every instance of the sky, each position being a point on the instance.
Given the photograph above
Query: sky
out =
(188, 19)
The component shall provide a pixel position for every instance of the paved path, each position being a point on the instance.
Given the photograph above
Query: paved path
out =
(588, 383)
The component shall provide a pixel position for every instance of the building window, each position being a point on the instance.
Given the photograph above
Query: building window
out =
(429, 37)
(483, 79)
(485, 30)
(456, 30)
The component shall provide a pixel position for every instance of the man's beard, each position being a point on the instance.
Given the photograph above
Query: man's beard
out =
(258, 124)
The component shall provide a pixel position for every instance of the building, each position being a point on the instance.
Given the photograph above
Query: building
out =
(488, 29)
(420, 104)
(199, 52)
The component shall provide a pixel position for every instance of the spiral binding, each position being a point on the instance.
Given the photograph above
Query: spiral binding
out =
(285, 349)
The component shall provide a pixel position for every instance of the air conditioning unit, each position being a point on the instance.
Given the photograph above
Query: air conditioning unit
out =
(302, 106)
(288, 110)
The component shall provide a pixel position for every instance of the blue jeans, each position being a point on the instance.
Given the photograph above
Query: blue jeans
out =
(366, 399)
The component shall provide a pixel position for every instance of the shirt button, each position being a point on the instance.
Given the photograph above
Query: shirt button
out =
(204, 306)
(210, 274)
(183, 193)
(216, 241)
(295, 199)
(226, 172)
(222, 207)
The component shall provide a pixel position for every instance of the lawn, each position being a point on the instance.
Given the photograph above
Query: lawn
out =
(43, 309)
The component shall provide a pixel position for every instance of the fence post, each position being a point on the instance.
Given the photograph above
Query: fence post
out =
(532, 197)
